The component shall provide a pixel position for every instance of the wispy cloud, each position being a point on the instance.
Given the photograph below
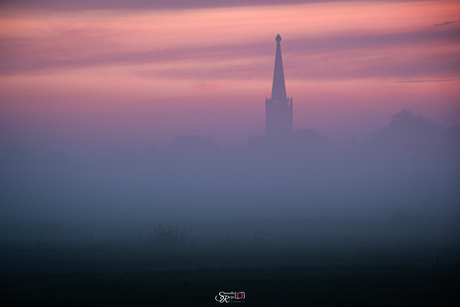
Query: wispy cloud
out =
(146, 4)
(334, 56)
(445, 23)
(429, 80)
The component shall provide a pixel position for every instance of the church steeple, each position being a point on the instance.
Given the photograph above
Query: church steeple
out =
(278, 109)
(279, 87)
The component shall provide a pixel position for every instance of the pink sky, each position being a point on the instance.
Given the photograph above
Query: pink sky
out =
(130, 76)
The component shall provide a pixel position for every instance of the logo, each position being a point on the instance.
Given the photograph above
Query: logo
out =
(230, 297)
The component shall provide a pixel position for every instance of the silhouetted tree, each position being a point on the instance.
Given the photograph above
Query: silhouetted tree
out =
(310, 137)
(194, 146)
(412, 136)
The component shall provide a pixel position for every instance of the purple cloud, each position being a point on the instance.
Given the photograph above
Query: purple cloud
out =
(145, 4)
(445, 23)
(352, 56)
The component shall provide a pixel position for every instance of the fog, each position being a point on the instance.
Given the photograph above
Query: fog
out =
(195, 218)
(411, 167)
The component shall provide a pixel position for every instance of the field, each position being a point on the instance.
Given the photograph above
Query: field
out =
(275, 262)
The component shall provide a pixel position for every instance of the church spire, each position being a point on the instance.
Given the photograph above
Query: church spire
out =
(279, 88)
(278, 109)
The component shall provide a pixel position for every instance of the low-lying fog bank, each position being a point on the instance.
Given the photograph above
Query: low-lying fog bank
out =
(397, 230)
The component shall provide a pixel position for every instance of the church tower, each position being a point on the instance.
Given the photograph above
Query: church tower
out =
(278, 109)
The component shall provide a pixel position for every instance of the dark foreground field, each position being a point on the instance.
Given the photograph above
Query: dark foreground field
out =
(276, 263)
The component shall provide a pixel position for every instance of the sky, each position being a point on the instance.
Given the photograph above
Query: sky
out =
(83, 74)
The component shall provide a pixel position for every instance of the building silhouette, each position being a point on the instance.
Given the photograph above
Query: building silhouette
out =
(278, 108)
(279, 130)
(278, 112)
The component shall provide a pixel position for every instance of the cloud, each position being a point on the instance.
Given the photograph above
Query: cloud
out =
(339, 65)
(248, 71)
(70, 5)
(344, 41)
(428, 80)
(353, 65)
(445, 23)
(28, 56)
(333, 56)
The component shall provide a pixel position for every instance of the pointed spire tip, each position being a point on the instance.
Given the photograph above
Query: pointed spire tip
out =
(278, 38)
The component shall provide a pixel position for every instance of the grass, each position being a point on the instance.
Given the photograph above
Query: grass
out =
(171, 236)
(178, 277)
(308, 263)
